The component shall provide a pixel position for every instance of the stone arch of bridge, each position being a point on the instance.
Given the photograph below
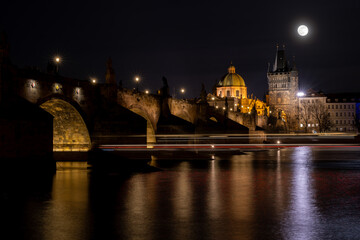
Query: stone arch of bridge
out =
(150, 125)
(70, 132)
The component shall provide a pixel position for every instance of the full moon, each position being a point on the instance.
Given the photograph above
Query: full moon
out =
(303, 30)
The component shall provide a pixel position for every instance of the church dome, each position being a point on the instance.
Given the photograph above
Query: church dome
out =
(232, 79)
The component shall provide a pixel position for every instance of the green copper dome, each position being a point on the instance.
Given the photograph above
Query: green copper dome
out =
(232, 79)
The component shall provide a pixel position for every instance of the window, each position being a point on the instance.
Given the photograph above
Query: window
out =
(317, 125)
(352, 106)
(353, 122)
(309, 125)
(341, 114)
(348, 121)
(336, 100)
(337, 121)
(329, 114)
(237, 93)
(228, 93)
(301, 125)
(332, 106)
(336, 114)
(220, 94)
(340, 121)
(336, 106)
(328, 106)
(348, 114)
(312, 125)
(352, 114)
(340, 106)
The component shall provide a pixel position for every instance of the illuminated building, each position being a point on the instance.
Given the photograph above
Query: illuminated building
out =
(283, 83)
(232, 91)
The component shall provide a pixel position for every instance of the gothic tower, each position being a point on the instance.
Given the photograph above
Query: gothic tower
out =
(283, 83)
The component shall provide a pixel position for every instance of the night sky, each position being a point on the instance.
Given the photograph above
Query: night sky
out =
(188, 43)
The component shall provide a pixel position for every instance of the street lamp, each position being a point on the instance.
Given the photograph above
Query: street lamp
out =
(182, 91)
(137, 79)
(147, 91)
(93, 80)
(300, 94)
(57, 61)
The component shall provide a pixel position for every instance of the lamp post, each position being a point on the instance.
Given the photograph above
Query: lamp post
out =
(137, 79)
(57, 61)
(93, 80)
(182, 90)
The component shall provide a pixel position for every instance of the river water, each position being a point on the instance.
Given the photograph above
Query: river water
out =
(297, 193)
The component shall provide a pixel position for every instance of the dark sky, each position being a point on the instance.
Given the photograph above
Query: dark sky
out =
(189, 43)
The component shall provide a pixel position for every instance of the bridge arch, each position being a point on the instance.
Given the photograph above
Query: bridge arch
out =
(70, 132)
(150, 127)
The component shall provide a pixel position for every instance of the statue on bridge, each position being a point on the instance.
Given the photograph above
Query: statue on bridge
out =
(110, 73)
(164, 91)
(203, 94)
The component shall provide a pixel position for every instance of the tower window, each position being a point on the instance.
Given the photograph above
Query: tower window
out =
(220, 93)
(237, 93)
(228, 93)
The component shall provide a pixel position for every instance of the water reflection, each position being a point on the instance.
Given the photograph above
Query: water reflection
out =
(66, 214)
(276, 194)
(301, 221)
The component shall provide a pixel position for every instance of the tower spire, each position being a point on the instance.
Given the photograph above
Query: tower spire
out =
(276, 57)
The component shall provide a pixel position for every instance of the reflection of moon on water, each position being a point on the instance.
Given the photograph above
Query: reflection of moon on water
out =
(303, 30)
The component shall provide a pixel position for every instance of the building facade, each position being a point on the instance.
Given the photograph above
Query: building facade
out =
(344, 111)
(311, 106)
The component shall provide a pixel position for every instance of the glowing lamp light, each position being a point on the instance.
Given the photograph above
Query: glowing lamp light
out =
(137, 79)
(93, 80)
(212, 146)
(224, 108)
(217, 107)
(33, 84)
(300, 94)
(57, 59)
(147, 91)
(212, 98)
(230, 109)
(57, 87)
(182, 90)
(278, 142)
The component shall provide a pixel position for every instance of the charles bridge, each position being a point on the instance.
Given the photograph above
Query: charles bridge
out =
(87, 114)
